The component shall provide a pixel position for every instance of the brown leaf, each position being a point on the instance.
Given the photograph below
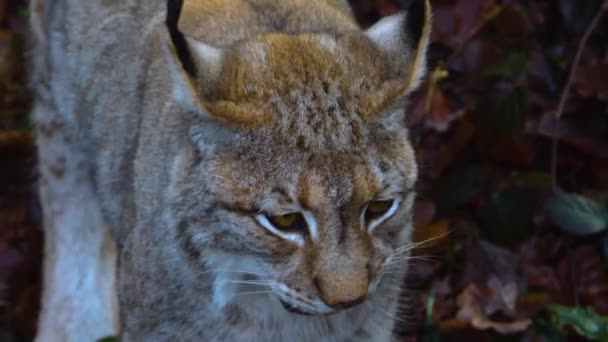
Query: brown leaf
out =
(539, 249)
(438, 152)
(9, 259)
(441, 113)
(514, 151)
(386, 7)
(600, 174)
(573, 136)
(484, 259)
(504, 299)
(477, 304)
(12, 211)
(476, 54)
(581, 277)
(6, 53)
(14, 142)
(431, 107)
(587, 273)
(452, 324)
(530, 304)
(512, 327)
(591, 79)
(445, 304)
(25, 312)
(454, 22)
(432, 234)
(512, 21)
(424, 212)
(2, 10)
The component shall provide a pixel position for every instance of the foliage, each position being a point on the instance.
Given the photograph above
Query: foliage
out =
(576, 214)
(583, 320)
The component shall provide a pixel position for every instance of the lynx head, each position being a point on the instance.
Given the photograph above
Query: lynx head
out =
(297, 168)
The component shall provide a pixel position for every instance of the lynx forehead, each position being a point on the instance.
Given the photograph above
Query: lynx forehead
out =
(317, 90)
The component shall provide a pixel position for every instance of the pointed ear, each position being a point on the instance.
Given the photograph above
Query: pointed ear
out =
(192, 63)
(195, 70)
(404, 38)
(189, 60)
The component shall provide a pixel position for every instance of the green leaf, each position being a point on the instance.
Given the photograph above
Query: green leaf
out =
(534, 178)
(577, 214)
(23, 12)
(429, 305)
(459, 186)
(507, 216)
(500, 117)
(511, 65)
(583, 320)
(547, 329)
(430, 330)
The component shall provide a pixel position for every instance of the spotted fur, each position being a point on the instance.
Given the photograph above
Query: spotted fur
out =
(177, 131)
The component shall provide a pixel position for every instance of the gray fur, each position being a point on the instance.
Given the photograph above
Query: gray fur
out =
(147, 168)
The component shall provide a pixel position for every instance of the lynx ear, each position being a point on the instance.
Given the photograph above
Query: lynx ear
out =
(404, 38)
(195, 69)
(189, 60)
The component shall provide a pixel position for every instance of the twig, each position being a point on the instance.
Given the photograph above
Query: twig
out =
(440, 71)
(566, 90)
(479, 26)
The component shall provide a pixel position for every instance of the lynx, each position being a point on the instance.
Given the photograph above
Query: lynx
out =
(224, 170)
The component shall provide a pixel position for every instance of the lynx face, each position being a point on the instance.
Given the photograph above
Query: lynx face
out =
(297, 176)
(319, 226)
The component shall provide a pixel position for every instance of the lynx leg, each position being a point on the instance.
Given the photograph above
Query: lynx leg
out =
(79, 299)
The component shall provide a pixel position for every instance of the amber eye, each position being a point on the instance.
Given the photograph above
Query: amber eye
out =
(289, 223)
(377, 209)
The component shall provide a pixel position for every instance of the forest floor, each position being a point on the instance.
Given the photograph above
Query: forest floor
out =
(511, 134)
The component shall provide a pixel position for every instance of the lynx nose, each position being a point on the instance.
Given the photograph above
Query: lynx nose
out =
(343, 294)
(349, 304)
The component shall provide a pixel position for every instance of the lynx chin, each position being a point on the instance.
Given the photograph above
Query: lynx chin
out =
(224, 170)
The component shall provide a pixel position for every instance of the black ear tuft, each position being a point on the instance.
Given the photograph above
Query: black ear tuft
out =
(415, 21)
(174, 9)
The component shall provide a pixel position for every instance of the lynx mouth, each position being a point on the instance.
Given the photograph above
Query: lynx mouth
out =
(293, 309)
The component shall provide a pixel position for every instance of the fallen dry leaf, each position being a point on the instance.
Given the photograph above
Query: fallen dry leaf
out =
(572, 136)
(478, 304)
(483, 48)
(424, 212)
(433, 233)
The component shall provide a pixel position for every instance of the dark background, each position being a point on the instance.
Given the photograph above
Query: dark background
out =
(513, 206)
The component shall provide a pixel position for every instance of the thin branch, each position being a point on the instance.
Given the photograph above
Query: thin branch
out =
(566, 90)
(479, 26)
(440, 72)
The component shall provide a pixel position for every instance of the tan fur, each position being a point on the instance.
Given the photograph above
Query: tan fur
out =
(291, 107)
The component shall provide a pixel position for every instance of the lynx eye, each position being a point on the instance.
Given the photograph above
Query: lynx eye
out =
(293, 226)
(378, 211)
(289, 222)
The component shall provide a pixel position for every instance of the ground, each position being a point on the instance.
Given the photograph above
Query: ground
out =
(511, 132)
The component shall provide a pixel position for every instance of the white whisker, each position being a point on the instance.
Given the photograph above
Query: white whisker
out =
(222, 331)
(412, 245)
(233, 271)
(412, 258)
(245, 282)
(250, 293)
